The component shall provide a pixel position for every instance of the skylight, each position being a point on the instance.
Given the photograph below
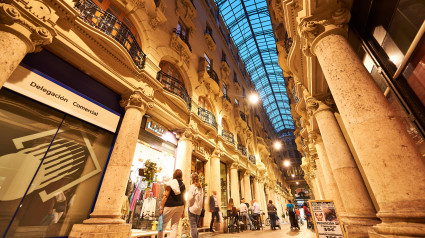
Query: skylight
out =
(250, 27)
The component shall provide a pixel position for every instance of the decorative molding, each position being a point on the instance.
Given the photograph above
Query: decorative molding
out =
(187, 13)
(32, 21)
(181, 48)
(158, 17)
(210, 42)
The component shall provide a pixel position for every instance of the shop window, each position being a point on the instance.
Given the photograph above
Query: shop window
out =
(63, 155)
(414, 72)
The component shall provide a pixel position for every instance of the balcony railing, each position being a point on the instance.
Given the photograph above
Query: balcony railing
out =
(207, 117)
(227, 98)
(213, 75)
(228, 136)
(183, 38)
(242, 149)
(243, 116)
(111, 26)
(252, 159)
(175, 86)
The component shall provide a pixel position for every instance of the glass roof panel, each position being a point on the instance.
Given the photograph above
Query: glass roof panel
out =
(250, 27)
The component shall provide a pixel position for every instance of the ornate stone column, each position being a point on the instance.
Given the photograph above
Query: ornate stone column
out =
(234, 184)
(106, 216)
(387, 154)
(215, 171)
(332, 192)
(257, 190)
(24, 27)
(320, 178)
(360, 212)
(184, 151)
(263, 195)
(247, 187)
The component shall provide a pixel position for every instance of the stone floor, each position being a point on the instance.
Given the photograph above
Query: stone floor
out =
(266, 233)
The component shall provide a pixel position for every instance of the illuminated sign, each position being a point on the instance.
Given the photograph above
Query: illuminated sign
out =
(155, 127)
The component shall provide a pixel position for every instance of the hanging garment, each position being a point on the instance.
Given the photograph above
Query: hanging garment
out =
(149, 206)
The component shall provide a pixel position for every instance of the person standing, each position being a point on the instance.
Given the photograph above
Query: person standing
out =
(195, 197)
(173, 203)
(291, 213)
(256, 213)
(271, 210)
(214, 209)
(243, 209)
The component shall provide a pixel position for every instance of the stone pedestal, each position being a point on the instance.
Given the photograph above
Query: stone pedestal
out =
(394, 168)
(247, 187)
(234, 185)
(105, 219)
(332, 192)
(360, 212)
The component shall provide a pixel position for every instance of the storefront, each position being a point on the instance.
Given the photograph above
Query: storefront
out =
(58, 127)
(153, 164)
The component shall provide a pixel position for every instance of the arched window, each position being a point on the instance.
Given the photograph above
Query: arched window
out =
(171, 78)
(204, 104)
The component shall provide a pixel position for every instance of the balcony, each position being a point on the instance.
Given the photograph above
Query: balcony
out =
(228, 136)
(209, 40)
(175, 86)
(242, 149)
(243, 116)
(182, 37)
(207, 117)
(111, 26)
(252, 159)
(213, 75)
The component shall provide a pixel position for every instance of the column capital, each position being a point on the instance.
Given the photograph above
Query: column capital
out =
(314, 28)
(141, 99)
(32, 21)
(219, 150)
(190, 133)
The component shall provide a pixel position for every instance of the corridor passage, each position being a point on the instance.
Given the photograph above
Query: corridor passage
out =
(266, 233)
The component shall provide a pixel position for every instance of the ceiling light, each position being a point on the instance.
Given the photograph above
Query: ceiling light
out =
(297, 183)
(253, 98)
(293, 175)
(287, 163)
(277, 145)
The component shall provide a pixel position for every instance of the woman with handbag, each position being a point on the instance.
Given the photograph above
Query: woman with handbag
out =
(173, 203)
(195, 199)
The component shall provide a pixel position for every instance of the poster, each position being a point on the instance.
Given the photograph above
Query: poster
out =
(326, 219)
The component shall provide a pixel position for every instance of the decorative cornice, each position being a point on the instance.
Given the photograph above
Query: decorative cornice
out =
(314, 29)
(31, 21)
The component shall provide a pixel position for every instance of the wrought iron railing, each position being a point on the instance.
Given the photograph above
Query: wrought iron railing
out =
(243, 116)
(175, 86)
(252, 159)
(183, 37)
(242, 149)
(227, 98)
(228, 136)
(111, 26)
(213, 75)
(207, 117)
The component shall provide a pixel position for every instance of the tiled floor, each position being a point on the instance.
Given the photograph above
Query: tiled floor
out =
(266, 233)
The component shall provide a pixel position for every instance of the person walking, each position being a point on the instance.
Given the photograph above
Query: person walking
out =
(194, 198)
(243, 210)
(214, 209)
(291, 213)
(256, 213)
(173, 203)
(271, 210)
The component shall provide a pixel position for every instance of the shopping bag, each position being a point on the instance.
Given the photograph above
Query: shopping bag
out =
(221, 216)
(160, 223)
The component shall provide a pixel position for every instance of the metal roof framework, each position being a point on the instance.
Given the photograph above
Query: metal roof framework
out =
(251, 29)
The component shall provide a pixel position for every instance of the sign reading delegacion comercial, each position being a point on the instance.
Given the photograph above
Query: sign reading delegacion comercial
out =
(44, 89)
(326, 219)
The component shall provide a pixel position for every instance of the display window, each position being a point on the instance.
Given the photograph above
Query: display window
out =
(153, 165)
(223, 183)
(51, 165)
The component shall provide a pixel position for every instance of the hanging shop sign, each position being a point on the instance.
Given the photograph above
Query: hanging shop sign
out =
(326, 219)
(42, 88)
(155, 128)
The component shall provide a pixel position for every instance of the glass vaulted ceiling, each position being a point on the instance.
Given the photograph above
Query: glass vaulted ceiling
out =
(250, 27)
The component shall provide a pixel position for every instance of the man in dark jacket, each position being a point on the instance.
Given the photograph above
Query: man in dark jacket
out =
(214, 209)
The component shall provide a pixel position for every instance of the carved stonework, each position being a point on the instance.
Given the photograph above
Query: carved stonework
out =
(31, 21)
(191, 133)
(314, 29)
(181, 48)
(219, 150)
(225, 72)
(141, 98)
(187, 13)
(210, 42)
